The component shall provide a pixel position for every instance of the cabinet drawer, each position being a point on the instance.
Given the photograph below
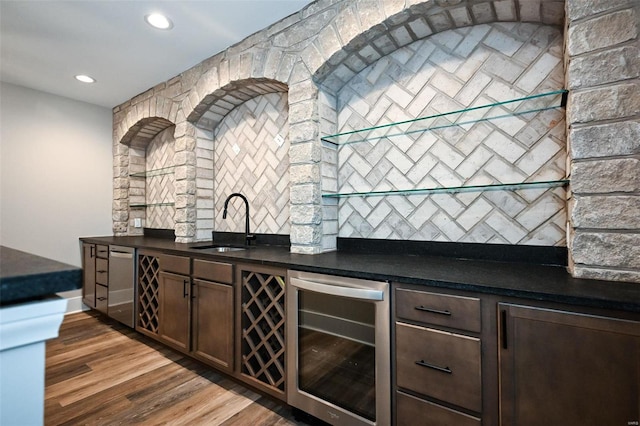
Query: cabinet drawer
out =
(410, 408)
(442, 365)
(213, 271)
(102, 294)
(102, 271)
(102, 251)
(177, 264)
(439, 309)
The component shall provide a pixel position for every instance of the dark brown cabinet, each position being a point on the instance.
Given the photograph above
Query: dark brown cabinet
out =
(492, 360)
(175, 301)
(438, 358)
(89, 275)
(212, 321)
(458, 357)
(567, 368)
(95, 263)
(188, 304)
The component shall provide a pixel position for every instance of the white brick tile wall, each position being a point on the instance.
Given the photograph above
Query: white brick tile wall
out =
(399, 95)
(509, 231)
(472, 40)
(446, 84)
(448, 39)
(474, 213)
(503, 42)
(537, 73)
(539, 155)
(260, 168)
(452, 69)
(474, 66)
(446, 61)
(500, 66)
(504, 146)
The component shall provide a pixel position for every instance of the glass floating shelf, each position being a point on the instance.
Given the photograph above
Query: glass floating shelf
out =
(151, 173)
(455, 189)
(499, 110)
(135, 206)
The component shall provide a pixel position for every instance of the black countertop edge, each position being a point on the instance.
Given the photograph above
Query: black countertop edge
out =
(541, 255)
(25, 276)
(535, 282)
(586, 300)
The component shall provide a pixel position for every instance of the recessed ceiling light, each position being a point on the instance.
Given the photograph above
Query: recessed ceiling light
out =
(85, 78)
(159, 21)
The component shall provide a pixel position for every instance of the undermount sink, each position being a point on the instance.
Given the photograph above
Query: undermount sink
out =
(219, 249)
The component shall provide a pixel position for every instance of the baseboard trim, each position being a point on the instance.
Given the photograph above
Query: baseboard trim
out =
(74, 305)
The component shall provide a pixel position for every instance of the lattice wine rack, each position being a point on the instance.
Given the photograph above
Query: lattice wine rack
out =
(263, 347)
(148, 285)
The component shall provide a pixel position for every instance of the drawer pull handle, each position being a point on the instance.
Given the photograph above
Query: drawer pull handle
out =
(433, 311)
(102, 271)
(421, 363)
(102, 298)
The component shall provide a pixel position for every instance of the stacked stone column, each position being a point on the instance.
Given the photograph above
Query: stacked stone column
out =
(305, 157)
(184, 162)
(120, 207)
(603, 115)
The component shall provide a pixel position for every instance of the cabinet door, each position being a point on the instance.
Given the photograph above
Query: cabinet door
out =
(175, 295)
(89, 275)
(213, 323)
(562, 368)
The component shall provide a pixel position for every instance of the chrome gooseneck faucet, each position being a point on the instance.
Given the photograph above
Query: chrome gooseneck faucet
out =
(247, 233)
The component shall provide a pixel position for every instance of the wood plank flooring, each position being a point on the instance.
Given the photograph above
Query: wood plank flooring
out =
(99, 372)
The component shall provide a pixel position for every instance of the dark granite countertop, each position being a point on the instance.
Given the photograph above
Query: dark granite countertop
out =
(530, 281)
(25, 276)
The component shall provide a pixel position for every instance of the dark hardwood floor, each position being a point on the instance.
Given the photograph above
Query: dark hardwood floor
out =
(99, 372)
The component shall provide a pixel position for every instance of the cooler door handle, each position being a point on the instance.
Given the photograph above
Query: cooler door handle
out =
(338, 290)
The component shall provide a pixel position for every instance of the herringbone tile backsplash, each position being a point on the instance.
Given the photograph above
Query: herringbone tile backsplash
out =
(449, 71)
(159, 184)
(251, 156)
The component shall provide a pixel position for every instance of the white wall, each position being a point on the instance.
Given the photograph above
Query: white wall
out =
(55, 174)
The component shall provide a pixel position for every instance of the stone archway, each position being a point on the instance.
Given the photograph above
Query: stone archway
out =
(134, 194)
(230, 114)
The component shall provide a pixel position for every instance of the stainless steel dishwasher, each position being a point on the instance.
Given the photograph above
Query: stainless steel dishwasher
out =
(122, 272)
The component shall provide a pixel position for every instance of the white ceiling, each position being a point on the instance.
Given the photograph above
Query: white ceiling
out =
(44, 44)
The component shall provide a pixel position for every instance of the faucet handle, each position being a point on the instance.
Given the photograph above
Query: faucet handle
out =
(249, 238)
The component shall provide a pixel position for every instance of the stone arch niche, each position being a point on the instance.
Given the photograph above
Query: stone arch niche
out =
(144, 181)
(433, 58)
(242, 145)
